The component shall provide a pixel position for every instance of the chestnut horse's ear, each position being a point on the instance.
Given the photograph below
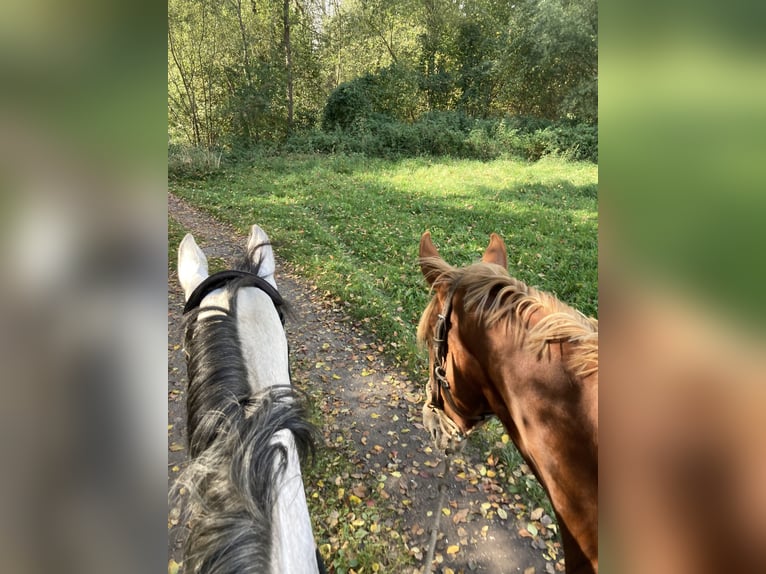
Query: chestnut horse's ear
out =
(495, 252)
(428, 254)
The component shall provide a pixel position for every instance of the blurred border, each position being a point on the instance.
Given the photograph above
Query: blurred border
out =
(682, 92)
(83, 297)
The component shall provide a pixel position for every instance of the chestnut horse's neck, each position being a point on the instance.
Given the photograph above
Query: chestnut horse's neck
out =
(551, 413)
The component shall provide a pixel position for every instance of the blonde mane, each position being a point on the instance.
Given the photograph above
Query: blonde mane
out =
(494, 296)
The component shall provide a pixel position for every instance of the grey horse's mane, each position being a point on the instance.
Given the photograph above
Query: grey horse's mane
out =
(229, 482)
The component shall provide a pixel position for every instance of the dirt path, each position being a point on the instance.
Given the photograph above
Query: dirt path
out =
(375, 411)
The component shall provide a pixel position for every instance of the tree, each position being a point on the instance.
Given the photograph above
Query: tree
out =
(552, 59)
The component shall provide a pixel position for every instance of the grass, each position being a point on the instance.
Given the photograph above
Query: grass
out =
(352, 225)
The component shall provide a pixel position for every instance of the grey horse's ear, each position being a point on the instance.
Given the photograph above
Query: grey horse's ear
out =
(259, 249)
(192, 265)
(496, 252)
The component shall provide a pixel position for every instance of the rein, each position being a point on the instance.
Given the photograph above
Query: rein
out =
(440, 385)
(224, 278)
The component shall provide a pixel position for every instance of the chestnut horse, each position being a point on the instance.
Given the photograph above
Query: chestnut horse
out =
(499, 347)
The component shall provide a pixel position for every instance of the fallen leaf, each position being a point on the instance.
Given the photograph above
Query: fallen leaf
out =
(460, 516)
(454, 549)
(173, 567)
(354, 499)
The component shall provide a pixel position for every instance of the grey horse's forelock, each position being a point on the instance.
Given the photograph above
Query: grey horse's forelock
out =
(229, 483)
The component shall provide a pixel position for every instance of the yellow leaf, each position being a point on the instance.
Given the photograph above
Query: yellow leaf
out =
(375, 416)
(341, 492)
(336, 377)
(505, 438)
(173, 567)
(354, 499)
(358, 522)
(446, 511)
(175, 447)
(396, 474)
(448, 570)
(454, 549)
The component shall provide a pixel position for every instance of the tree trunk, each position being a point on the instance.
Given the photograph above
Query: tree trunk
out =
(288, 64)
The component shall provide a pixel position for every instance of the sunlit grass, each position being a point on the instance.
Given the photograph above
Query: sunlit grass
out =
(352, 225)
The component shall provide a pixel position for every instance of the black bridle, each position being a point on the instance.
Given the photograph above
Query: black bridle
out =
(244, 279)
(440, 385)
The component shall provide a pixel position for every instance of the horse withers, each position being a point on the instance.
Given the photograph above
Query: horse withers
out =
(499, 347)
(247, 430)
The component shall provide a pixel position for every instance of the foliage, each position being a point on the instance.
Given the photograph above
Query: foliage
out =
(244, 74)
(453, 134)
(348, 103)
(552, 59)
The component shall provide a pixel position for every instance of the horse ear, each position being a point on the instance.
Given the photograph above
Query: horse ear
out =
(260, 251)
(495, 252)
(192, 265)
(428, 256)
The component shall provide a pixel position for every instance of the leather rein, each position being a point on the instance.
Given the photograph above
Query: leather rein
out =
(439, 384)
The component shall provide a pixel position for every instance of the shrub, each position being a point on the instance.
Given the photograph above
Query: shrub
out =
(453, 134)
(346, 104)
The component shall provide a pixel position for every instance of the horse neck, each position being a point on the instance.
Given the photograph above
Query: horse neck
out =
(264, 349)
(262, 338)
(292, 548)
(547, 409)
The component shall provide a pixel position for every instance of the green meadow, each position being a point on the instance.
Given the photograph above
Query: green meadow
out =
(352, 225)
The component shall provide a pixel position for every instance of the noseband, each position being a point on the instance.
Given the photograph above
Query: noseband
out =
(440, 385)
(244, 279)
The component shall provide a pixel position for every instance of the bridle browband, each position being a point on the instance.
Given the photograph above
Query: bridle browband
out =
(440, 385)
(244, 279)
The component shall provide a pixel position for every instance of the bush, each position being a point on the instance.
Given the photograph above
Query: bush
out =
(453, 134)
(346, 104)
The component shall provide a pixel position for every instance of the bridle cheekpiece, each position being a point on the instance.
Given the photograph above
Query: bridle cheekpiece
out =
(439, 384)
